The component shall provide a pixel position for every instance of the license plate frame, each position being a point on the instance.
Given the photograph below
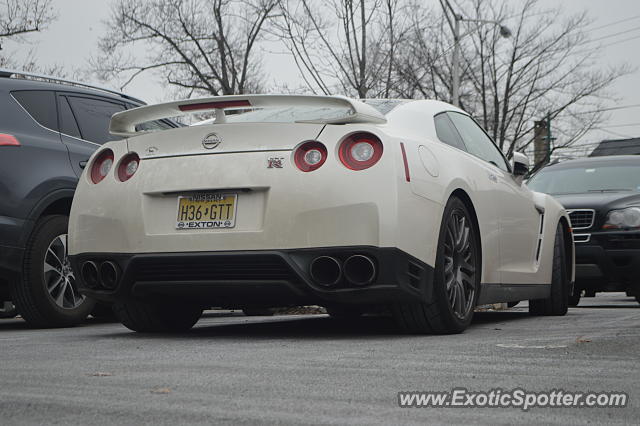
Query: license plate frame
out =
(204, 218)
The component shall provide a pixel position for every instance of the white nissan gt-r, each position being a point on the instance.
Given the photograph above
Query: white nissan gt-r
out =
(293, 200)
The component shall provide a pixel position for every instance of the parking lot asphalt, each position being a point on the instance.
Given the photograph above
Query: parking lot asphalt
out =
(317, 370)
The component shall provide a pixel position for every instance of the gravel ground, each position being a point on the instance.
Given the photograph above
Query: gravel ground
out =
(311, 369)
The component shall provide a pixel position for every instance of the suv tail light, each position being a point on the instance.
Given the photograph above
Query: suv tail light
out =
(128, 166)
(310, 156)
(360, 151)
(8, 140)
(101, 165)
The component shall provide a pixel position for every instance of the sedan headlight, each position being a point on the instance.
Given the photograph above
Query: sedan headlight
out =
(623, 218)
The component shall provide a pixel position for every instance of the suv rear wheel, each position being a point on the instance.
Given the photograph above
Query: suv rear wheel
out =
(46, 294)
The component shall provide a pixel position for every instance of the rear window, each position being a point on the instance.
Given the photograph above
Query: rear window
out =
(385, 106)
(293, 114)
(288, 114)
(40, 104)
(94, 116)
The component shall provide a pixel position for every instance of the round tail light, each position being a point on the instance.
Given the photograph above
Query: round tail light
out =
(101, 165)
(360, 151)
(128, 166)
(310, 156)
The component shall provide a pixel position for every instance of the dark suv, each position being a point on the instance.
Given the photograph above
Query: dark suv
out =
(48, 130)
(602, 196)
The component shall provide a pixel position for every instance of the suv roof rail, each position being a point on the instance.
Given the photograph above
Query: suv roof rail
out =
(4, 73)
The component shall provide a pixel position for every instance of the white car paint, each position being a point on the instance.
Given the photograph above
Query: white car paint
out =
(284, 208)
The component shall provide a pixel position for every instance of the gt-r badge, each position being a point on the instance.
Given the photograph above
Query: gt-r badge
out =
(211, 141)
(275, 162)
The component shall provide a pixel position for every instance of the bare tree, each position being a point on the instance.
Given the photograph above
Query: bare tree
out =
(548, 68)
(344, 46)
(198, 46)
(19, 17)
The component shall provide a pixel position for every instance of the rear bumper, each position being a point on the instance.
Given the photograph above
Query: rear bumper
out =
(276, 209)
(610, 261)
(259, 278)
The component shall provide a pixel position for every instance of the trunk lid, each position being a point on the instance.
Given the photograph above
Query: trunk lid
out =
(223, 138)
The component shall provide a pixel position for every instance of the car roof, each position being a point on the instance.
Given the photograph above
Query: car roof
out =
(18, 80)
(596, 161)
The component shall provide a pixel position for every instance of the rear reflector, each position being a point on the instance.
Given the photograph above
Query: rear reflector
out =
(214, 105)
(8, 140)
(407, 176)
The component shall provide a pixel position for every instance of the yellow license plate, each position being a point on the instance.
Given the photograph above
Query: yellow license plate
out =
(207, 211)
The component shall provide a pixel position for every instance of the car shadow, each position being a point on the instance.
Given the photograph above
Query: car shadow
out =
(607, 306)
(10, 324)
(312, 327)
(17, 323)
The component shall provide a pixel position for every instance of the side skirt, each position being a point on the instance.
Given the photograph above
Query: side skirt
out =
(496, 293)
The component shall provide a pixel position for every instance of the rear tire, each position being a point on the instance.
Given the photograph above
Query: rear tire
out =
(156, 317)
(46, 294)
(574, 297)
(558, 301)
(456, 281)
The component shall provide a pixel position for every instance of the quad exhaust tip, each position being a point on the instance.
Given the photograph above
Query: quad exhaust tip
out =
(89, 274)
(326, 270)
(109, 275)
(359, 270)
(106, 276)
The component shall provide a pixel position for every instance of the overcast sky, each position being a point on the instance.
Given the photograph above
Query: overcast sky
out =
(72, 40)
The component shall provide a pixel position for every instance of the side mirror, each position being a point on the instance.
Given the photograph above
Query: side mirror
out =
(520, 165)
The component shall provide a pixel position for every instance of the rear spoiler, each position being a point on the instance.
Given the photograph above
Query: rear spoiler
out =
(124, 123)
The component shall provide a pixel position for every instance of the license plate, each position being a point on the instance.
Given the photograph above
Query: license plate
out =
(206, 211)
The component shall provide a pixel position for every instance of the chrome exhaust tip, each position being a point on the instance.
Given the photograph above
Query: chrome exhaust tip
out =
(109, 275)
(326, 271)
(89, 273)
(359, 270)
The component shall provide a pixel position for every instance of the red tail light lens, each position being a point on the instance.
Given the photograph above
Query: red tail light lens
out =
(128, 166)
(310, 156)
(360, 151)
(8, 140)
(101, 165)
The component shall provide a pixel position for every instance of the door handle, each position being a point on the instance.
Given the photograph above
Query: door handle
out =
(83, 164)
